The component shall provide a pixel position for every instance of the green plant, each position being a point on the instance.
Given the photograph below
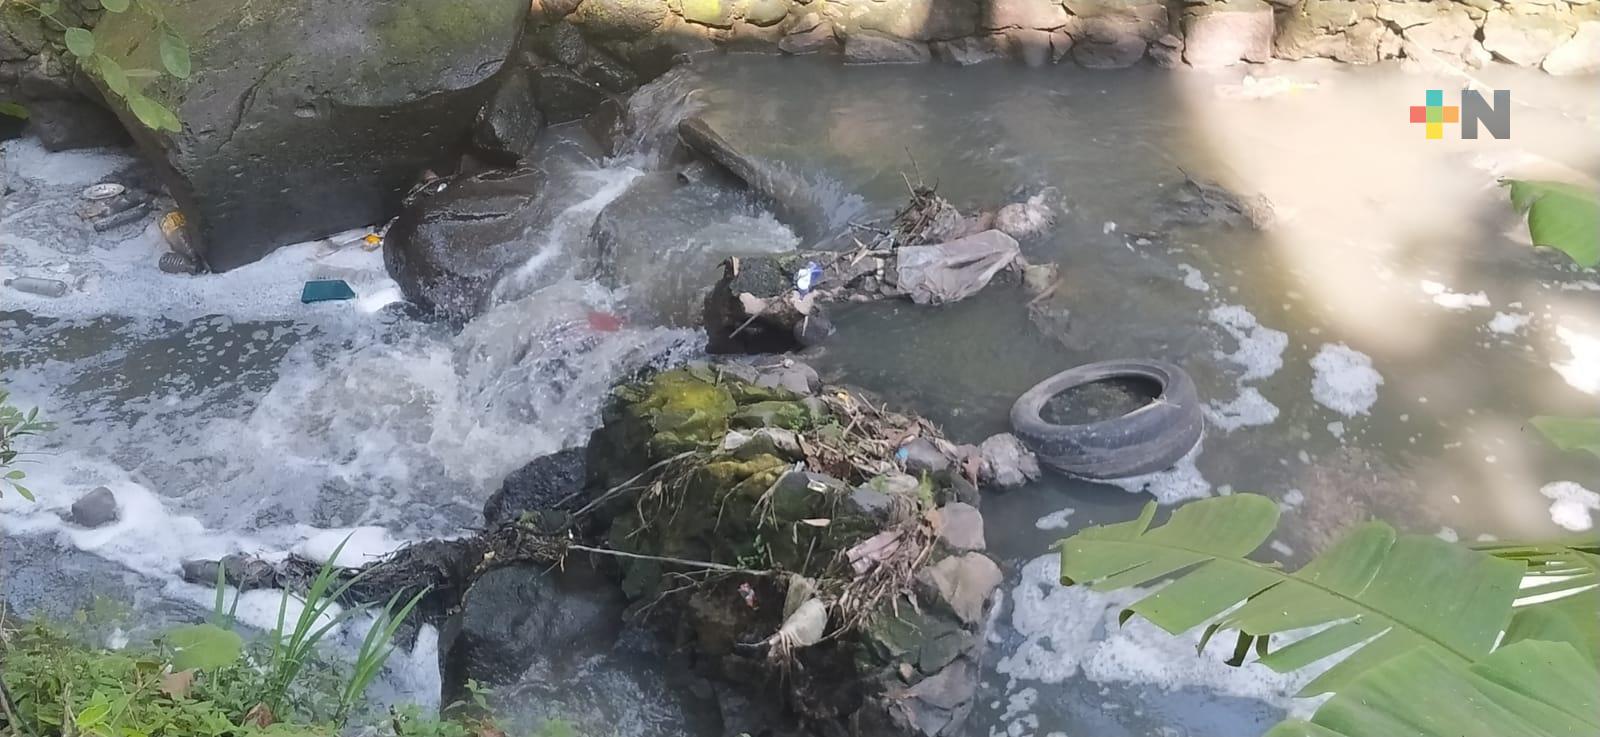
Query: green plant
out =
(1569, 433)
(126, 84)
(15, 425)
(375, 650)
(1562, 216)
(1405, 609)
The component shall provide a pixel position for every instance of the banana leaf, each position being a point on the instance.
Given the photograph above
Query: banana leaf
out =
(1531, 688)
(1377, 593)
(1562, 216)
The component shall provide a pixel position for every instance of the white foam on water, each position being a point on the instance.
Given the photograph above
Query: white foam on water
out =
(1508, 323)
(1245, 410)
(355, 546)
(1336, 429)
(1451, 300)
(1181, 482)
(1193, 279)
(1260, 350)
(1582, 370)
(1055, 520)
(1572, 506)
(26, 158)
(1073, 630)
(1344, 380)
(1260, 355)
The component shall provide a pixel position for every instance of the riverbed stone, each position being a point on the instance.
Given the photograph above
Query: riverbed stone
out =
(1449, 32)
(970, 50)
(509, 125)
(447, 248)
(817, 38)
(1524, 39)
(960, 527)
(1226, 33)
(317, 117)
(713, 13)
(1112, 42)
(1007, 462)
(1031, 46)
(620, 19)
(1033, 14)
(545, 483)
(765, 12)
(1577, 55)
(97, 508)
(564, 96)
(963, 584)
(65, 125)
(916, 20)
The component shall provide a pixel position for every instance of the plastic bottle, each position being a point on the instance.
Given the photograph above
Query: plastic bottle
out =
(36, 285)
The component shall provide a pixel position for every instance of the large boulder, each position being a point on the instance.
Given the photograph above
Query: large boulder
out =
(447, 248)
(1577, 55)
(916, 20)
(1224, 34)
(1524, 39)
(317, 115)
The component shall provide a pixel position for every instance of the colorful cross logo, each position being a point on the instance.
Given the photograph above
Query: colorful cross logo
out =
(1435, 114)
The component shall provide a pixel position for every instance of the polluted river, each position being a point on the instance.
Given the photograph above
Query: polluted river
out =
(1372, 348)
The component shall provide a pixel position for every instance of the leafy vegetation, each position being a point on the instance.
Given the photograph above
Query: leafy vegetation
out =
(1419, 620)
(202, 679)
(1562, 216)
(127, 84)
(15, 425)
(1568, 433)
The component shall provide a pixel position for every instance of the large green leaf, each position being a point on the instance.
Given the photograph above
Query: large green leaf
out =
(1562, 216)
(1570, 433)
(203, 646)
(1383, 594)
(1560, 595)
(1527, 689)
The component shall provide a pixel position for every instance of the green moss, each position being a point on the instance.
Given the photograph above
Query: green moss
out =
(785, 415)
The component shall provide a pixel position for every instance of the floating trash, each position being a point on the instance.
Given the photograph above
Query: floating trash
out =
(103, 191)
(326, 290)
(807, 276)
(37, 285)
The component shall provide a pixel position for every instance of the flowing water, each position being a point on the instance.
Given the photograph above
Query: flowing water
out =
(1376, 352)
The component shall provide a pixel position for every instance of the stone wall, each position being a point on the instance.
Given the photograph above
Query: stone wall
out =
(1560, 36)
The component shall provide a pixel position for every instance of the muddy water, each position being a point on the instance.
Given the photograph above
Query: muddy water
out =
(1375, 352)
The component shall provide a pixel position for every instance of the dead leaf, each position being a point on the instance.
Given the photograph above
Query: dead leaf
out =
(177, 685)
(872, 551)
(818, 522)
(259, 716)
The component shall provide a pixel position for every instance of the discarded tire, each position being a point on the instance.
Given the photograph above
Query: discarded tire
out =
(1149, 439)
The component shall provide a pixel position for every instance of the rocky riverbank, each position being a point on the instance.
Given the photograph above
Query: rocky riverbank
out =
(373, 96)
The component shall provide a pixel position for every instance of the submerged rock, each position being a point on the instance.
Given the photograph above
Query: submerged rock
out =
(97, 508)
(446, 249)
(316, 117)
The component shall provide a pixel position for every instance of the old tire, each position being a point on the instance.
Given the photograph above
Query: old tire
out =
(1149, 439)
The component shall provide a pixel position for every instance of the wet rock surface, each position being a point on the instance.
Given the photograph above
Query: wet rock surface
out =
(447, 247)
(98, 508)
(340, 105)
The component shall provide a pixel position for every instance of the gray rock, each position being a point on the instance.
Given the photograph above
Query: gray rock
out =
(620, 19)
(1030, 46)
(1033, 217)
(765, 12)
(244, 572)
(97, 508)
(1033, 14)
(1450, 33)
(447, 249)
(970, 50)
(1224, 34)
(1524, 39)
(1577, 55)
(963, 584)
(876, 48)
(922, 456)
(509, 125)
(938, 705)
(961, 527)
(1167, 51)
(915, 20)
(546, 483)
(318, 117)
(791, 196)
(1113, 46)
(1007, 462)
(564, 96)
